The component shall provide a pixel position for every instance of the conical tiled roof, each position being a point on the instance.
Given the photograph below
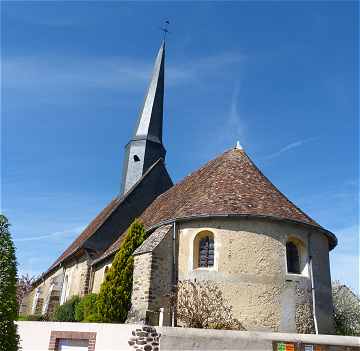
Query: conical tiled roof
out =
(229, 185)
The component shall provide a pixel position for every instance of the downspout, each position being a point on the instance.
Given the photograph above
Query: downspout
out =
(174, 282)
(312, 285)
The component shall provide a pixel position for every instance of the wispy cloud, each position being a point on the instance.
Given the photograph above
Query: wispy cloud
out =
(52, 74)
(53, 235)
(57, 73)
(233, 128)
(234, 117)
(291, 146)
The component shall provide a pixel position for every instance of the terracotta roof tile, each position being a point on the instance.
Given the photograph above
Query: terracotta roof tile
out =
(230, 184)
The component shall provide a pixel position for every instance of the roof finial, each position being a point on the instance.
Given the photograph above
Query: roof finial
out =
(238, 146)
(164, 28)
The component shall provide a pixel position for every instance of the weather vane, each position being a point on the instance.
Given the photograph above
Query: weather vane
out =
(164, 28)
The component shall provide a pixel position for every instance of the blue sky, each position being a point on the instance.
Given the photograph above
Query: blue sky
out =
(280, 77)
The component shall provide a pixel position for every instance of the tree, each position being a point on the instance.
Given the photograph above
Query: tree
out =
(23, 287)
(346, 310)
(114, 299)
(9, 340)
(202, 305)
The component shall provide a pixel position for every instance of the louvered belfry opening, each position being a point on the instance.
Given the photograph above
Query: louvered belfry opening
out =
(206, 252)
(292, 258)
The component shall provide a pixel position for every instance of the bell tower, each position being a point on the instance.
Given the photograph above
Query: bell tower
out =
(145, 146)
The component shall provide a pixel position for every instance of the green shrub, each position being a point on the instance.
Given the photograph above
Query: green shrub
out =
(33, 317)
(9, 340)
(66, 312)
(114, 299)
(86, 309)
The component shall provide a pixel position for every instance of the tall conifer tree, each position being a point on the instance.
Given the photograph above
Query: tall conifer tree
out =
(114, 299)
(9, 339)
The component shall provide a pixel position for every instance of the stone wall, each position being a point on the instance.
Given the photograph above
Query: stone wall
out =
(85, 279)
(161, 279)
(145, 339)
(152, 278)
(44, 288)
(250, 268)
(78, 273)
(140, 297)
(26, 303)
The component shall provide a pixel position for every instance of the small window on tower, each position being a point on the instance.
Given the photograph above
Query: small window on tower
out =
(136, 158)
(292, 258)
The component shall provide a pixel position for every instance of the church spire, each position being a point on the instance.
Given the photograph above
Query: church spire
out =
(145, 147)
(150, 120)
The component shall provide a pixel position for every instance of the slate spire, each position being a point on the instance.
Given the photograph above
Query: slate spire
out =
(145, 146)
(150, 121)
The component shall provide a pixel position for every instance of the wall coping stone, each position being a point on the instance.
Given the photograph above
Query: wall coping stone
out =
(334, 340)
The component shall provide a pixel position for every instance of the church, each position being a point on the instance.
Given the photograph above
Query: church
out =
(225, 223)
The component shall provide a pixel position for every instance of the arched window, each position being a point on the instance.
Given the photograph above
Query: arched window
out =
(292, 258)
(204, 250)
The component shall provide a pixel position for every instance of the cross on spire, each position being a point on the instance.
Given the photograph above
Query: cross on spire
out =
(164, 28)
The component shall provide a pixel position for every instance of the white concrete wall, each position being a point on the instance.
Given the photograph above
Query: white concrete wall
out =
(35, 336)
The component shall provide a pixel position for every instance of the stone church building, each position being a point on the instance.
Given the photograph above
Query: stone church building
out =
(225, 222)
